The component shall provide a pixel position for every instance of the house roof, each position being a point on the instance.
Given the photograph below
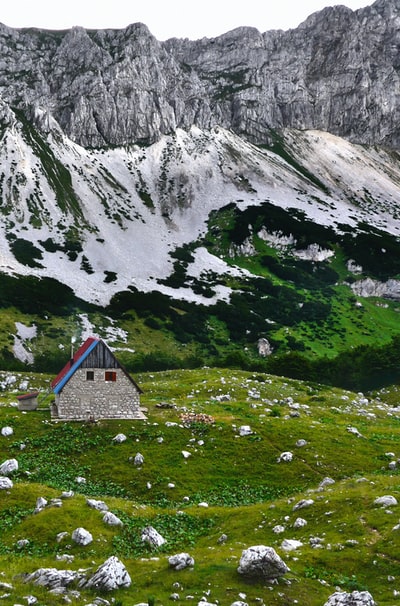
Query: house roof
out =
(75, 362)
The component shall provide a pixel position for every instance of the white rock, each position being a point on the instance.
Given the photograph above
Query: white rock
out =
(291, 544)
(138, 460)
(109, 576)
(303, 503)
(354, 431)
(151, 536)
(82, 536)
(386, 501)
(299, 523)
(112, 519)
(180, 561)
(119, 438)
(7, 431)
(5, 483)
(278, 529)
(356, 598)
(285, 457)
(300, 443)
(99, 505)
(8, 467)
(261, 561)
(326, 482)
(186, 454)
(245, 430)
(41, 503)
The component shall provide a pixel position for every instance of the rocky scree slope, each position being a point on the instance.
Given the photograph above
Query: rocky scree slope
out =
(102, 221)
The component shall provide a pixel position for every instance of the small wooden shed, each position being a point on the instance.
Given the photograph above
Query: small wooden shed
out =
(94, 385)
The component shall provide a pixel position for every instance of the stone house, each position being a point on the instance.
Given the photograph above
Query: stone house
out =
(94, 385)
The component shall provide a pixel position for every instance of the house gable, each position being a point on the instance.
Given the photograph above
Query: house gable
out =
(94, 353)
(94, 385)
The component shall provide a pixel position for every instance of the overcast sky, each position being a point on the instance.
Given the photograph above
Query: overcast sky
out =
(165, 18)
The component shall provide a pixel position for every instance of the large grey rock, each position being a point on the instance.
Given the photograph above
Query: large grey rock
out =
(109, 576)
(262, 561)
(52, 578)
(8, 467)
(356, 598)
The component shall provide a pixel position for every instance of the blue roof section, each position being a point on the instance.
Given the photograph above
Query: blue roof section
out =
(57, 388)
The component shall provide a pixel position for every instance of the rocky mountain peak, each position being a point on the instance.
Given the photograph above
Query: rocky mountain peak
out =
(337, 72)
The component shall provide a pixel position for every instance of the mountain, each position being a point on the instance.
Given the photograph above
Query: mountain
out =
(210, 200)
(337, 72)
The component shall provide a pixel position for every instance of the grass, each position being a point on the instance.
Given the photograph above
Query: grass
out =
(247, 490)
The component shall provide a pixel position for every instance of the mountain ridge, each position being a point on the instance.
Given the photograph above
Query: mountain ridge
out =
(113, 87)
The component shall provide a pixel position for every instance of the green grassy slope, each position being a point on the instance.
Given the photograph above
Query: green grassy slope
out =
(247, 489)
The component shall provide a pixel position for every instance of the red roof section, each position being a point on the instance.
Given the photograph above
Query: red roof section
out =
(78, 354)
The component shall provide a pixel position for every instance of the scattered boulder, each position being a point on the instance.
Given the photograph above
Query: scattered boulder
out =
(21, 543)
(303, 503)
(41, 503)
(326, 482)
(110, 575)
(356, 598)
(67, 494)
(262, 561)
(99, 505)
(52, 578)
(119, 438)
(112, 519)
(300, 443)
(82, 536)
(7, 431)
(264, 347)
(186, 454)
(138, 460)
(299, 523)
(278, 529)
(151, 536)
(8, 467)
(291, 544)
(285, 457)
(386, 501)
(245, 430)
(180, 561)
(355, 432)
(5, 483)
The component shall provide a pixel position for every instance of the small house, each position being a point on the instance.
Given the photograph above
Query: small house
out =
(28, 401)
(94, 385)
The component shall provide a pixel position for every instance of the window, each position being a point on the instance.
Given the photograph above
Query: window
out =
(110, 376)
(90, 375)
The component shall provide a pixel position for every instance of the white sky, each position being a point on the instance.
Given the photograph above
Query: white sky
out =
(165, 18)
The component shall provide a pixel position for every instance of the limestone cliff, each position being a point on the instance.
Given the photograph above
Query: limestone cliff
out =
(337, 72)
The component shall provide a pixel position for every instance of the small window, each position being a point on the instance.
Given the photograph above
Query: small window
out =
(90, 375)
(110, 376)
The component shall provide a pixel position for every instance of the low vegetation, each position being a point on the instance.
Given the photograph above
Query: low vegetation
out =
(229, 481)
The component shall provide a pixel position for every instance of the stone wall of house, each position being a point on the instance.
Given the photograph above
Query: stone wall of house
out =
(82, 399)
